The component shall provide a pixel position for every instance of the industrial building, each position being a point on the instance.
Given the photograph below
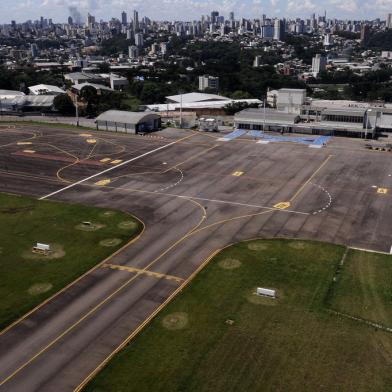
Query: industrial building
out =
(128, 122)
(297, 114)
(16, 102)
(45, 89)
(200, 103)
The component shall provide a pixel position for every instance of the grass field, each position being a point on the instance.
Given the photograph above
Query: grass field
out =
(219, 336)
(364, 289)
(26, 278)
(48, 124)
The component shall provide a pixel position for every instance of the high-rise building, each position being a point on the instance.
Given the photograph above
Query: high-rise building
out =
(70, 20)
(231, 17)
(279, 29)
(124, 18)
(267, 32)
(365, 33)
(135, 22)
(328, 40)
(389, 21)
(133, 52)
(319, 64)
(129, 34)
(214, 17)
(90, 20)
(207, 81)
(34, 50)
(139, 41)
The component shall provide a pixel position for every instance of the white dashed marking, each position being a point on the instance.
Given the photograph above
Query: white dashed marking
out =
(175, 184)
(329, 199)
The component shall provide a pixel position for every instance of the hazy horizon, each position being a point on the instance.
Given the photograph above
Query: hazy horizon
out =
(58, 10)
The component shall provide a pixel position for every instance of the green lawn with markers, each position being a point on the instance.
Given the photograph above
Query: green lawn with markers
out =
(28, 278)
(218, 335)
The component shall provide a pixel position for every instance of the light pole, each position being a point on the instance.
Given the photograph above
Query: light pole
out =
(76, 110)
(180, 109)
(367, 123)
(264, 121)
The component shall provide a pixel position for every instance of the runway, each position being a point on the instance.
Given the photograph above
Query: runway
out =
(195, 195)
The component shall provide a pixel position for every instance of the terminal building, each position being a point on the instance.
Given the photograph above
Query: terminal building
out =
(295, 113)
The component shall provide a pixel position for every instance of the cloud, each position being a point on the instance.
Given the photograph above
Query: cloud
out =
(303, 6)
(347, 6)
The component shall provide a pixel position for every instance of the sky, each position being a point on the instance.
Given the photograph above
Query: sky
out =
(58, 10)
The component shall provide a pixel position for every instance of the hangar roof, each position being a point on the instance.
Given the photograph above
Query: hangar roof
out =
(196, 97)
(124, 117)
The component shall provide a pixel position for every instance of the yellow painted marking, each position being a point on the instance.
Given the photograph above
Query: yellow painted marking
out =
(129, 281)
(116, 161)
(91, 141)
(283, 205)
(29, 151)
(382, 191)
(85, 134)
(144, 272)
(105, 160)
(23, 143)
(238, 174)
(103, 182)
(311, 178)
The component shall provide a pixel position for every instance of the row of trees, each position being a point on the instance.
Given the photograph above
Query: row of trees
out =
(93, 103)
(27, 76)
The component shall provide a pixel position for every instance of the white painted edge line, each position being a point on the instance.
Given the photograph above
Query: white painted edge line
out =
(223, 139)
(315, 146)
(263, 142)
(372, 251)
(107, 170)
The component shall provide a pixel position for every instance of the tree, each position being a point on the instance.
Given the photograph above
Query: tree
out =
(64, 104)
(241, 95)
(232, 108)
(90, 95)
(104, 68)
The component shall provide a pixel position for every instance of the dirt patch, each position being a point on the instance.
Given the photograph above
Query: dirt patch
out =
(127, 225)
(175, 321)
(257, 246)
(57, 252)
(39, 288)
(16, 210)
(92, 227)
(110, 242)
(108, 214)
(230, 264)
(297, 245)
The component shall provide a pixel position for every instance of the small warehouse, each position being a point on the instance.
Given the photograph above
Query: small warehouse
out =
(128, 122)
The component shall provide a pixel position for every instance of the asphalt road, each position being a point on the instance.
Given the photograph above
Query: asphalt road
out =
(196, 195)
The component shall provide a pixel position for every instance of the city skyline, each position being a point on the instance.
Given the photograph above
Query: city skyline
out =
(59, 10)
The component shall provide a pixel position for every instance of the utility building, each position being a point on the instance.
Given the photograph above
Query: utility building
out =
(128, 122)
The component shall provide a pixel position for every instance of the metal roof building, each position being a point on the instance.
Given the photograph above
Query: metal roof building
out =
(129, 122)
(23, 103)
(45, 89)
(195, 97)
(254, 119)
